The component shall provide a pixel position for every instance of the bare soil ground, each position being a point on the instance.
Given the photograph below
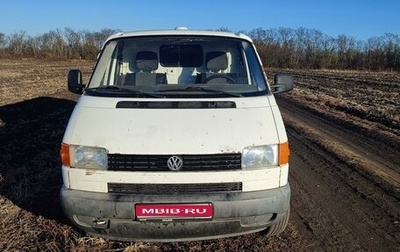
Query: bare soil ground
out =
(344, 132)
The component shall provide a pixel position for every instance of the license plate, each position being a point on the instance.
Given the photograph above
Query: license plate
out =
(173, 211)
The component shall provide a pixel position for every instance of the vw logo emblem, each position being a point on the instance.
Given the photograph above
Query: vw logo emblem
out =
(175, 163)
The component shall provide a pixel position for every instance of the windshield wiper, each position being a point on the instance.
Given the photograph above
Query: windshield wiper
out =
(122, 90)
(203, 89)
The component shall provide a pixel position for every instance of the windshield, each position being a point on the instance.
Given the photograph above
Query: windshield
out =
(184, 66)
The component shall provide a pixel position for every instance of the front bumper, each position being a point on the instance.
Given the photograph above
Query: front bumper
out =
(112, 215)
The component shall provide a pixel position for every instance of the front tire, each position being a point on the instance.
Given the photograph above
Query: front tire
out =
(279, 226)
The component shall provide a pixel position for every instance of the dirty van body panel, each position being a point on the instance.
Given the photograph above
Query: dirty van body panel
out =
(263, 198)
(101, 181)
(234, 214)
(97, 122)
(176, 137)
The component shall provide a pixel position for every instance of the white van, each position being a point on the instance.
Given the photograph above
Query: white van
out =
(176, 137)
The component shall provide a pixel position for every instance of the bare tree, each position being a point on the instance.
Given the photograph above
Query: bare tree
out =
(2, 43)
(16, 43)
(391, 46)
(74, 43)
(2, 40)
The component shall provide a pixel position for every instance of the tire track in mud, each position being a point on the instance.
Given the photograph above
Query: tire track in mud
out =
(336, 205)
(370, 98)
(374, 155)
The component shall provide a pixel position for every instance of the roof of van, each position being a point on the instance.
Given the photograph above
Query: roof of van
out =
(179, 31)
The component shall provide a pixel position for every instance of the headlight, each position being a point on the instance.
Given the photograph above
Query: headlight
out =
(266, 155)
(260, 156)
(84, 157)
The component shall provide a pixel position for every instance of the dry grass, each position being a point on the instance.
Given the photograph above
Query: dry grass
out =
(34, 110)
(367, 99)
(29, 78)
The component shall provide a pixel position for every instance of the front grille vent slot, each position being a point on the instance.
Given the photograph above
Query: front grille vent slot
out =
(159, 189)
(176, 104)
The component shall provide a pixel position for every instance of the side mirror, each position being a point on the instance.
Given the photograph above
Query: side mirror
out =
(282, 83)
(75, 81)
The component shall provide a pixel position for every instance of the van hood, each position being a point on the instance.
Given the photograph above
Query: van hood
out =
(98, 122)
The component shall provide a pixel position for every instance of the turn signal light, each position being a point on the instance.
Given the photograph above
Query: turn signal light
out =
(284, 153)
(64, 153)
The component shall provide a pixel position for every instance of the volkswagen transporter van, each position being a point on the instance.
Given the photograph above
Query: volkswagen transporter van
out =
(176, 137)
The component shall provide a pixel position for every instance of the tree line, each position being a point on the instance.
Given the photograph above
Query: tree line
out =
(278, 47)
(310, 48)
(57, 44)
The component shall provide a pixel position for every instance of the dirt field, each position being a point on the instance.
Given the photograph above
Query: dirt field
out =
(344, 133)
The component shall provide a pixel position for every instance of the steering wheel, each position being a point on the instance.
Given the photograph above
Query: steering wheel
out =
(220, 76)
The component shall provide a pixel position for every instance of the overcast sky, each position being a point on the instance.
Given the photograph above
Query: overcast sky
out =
(361, 19)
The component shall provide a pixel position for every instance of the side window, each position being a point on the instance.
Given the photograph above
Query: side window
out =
(106, 67)
(255, 70)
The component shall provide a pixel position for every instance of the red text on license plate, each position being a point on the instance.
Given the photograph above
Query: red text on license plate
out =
(174, 211)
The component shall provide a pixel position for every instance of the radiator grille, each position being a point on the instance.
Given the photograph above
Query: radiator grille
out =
(156, 189)
(119, 162)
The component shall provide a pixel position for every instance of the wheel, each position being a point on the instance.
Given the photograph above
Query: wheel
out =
(280, 225)
(220, 76)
